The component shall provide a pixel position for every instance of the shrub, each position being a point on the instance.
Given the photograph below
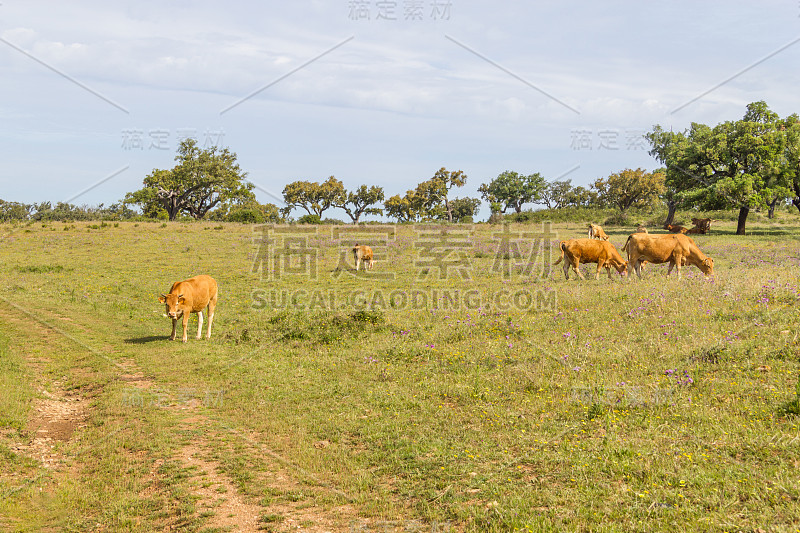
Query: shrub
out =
(246, 216)
(309, 219)
(617, 219)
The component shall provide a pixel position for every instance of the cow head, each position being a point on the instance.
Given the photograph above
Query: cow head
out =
(708, 266)
(174, 304)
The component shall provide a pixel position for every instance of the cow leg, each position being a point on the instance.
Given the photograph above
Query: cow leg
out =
(185, 326)
(358, 263)
(599, 268)
(199, 325)
(174, 324)
(675, 262)
(211, 306)
(677, 265)
(577, 266)
(638, 268)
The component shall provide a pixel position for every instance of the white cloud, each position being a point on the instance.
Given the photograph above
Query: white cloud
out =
(394, 103)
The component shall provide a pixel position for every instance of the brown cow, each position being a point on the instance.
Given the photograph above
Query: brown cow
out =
(596, 232)
(363, 253)
(678, 250)
(640, 229)
(703, 224)
(579, 251)
(191, 296)
(697, 230)
(672, 228)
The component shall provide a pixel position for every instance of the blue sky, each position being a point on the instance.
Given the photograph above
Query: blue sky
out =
(97, 94)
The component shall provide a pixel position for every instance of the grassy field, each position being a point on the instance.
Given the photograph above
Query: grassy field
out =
(497, 397)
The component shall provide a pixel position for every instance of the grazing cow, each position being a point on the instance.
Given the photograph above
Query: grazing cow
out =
(363, 253)
(191, 296)
(703, 224)
(596, 232)
(579, 251)
(677, 250)
(640, 229)
(672, 228)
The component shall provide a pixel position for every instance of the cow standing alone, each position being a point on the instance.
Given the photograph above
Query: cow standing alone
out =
(191, 296)
(363, 253)
(577, 251)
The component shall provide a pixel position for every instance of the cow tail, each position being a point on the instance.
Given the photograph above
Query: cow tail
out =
(561, 247)
(625, 248)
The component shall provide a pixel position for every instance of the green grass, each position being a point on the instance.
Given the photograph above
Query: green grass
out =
(651, 405)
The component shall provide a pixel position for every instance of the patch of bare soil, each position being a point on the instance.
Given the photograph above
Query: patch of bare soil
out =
(228, 510)
(55, 418)
(217, 495)
(132, 374)
(297, 508)
(57, 414)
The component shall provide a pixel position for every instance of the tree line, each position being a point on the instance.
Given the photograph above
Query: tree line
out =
(749, 164)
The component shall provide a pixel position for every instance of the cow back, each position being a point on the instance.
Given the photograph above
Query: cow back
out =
(197, 292)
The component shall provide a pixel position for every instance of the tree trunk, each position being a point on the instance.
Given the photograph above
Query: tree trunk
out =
(171, 202)
(796, 199)
(672, 206)
(743, 212)
(772, 204)
(172, 208)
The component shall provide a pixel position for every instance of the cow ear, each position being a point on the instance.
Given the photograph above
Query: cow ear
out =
(181, 299)
(162, 298)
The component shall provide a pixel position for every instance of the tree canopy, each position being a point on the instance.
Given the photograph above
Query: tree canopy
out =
(512, 190)
(314, 197)
(464, 209)
(446, 180)
(403, 208)
(743, 164)
(630, 188)
(556, 194)
(359, 202)
(430, 199)
(199, 182)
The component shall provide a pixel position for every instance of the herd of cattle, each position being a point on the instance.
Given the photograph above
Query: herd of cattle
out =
(200, 292)
(642, 247)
